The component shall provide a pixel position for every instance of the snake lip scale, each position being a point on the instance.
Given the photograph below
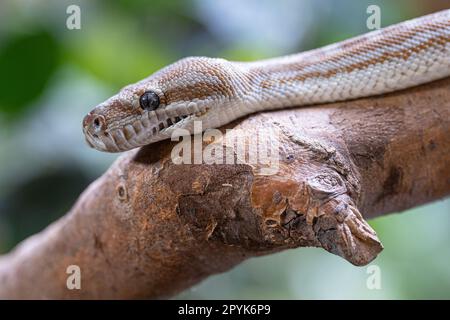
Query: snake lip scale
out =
(216, 91)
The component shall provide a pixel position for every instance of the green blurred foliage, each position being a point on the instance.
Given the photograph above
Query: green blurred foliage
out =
(27, 63)
(155, 7)
(122, 57)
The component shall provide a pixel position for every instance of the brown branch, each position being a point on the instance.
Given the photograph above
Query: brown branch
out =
(149, 228)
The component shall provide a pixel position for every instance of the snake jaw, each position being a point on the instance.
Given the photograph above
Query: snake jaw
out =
(95, 142)
(147, 128)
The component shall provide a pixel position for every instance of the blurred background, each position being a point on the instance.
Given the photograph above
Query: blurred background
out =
(51, 76)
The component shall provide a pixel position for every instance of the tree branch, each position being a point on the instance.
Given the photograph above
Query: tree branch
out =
(149, 228)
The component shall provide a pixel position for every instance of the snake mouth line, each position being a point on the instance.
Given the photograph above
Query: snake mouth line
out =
(139, 133)
(167, 123)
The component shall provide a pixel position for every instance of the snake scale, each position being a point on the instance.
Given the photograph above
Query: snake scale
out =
(216, 91)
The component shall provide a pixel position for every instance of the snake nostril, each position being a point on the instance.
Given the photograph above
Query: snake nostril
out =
(94, 122)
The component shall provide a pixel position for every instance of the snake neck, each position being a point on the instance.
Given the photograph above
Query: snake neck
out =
(394, 58)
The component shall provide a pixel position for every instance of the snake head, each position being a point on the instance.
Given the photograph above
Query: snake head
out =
(191, 89)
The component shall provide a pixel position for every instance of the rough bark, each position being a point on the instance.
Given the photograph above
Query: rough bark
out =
(149, 228)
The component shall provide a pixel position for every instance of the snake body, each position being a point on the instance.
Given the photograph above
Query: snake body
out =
(217, 91)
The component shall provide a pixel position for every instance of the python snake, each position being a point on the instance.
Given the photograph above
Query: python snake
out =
(217, 91)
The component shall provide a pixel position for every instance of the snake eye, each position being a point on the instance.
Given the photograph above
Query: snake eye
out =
(149, 101)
